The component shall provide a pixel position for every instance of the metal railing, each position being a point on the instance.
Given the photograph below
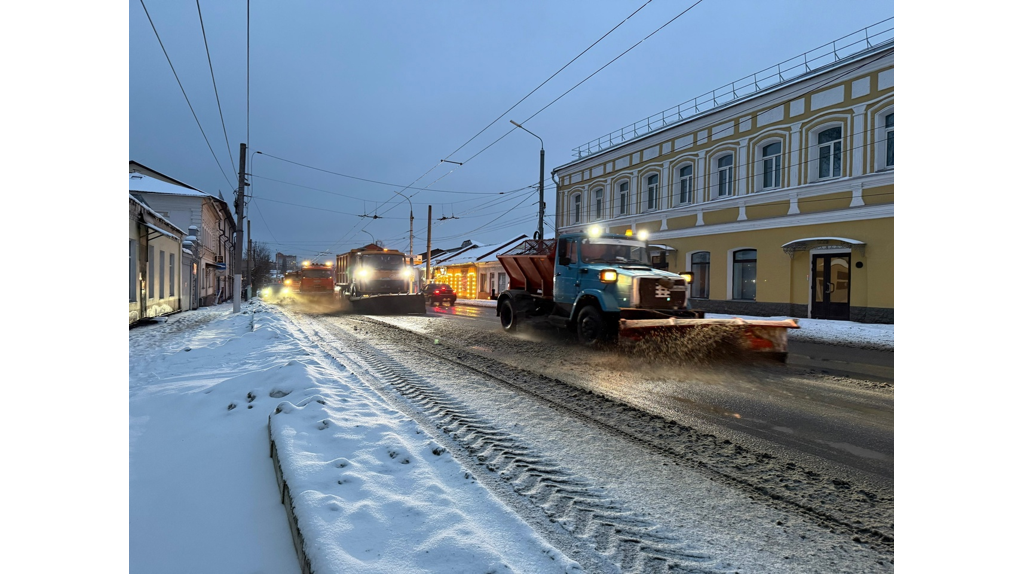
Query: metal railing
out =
(820, 57)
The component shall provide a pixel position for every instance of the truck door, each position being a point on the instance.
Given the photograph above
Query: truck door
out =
(567, 269)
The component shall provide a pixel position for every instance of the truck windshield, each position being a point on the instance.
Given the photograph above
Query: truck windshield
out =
(317, 273)
(384, 261)
(609, 250)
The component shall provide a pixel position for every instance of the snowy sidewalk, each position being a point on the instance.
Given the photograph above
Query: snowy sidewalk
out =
(372, 492)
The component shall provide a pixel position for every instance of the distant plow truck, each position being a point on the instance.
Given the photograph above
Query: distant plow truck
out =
(372, 280)
(603, 287)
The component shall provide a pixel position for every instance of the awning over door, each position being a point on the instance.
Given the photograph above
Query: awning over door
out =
(654, 248)
(809, 243)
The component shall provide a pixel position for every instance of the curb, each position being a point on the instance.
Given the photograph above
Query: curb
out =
(289, 507)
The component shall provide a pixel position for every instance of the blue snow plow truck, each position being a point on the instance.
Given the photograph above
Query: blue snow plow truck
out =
(603, 287)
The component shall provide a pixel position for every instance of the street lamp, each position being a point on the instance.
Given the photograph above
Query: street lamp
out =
(410, 229)
(370, 234)
(540, 218)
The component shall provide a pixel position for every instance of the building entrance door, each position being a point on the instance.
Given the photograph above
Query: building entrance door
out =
(831, 286)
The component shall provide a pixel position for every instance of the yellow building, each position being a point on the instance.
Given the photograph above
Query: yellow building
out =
(780, 200)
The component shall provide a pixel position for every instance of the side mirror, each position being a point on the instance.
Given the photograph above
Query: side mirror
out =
(661, 265)
(564, 261)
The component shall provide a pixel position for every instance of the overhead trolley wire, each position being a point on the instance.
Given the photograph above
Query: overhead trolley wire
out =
(184, 94)
(215, 93)
(645, 38)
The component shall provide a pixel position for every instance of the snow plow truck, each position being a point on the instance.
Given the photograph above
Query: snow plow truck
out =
(376, 281)
(603, 287)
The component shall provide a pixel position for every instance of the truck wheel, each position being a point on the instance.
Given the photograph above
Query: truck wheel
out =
(591, 328)
(507, 314)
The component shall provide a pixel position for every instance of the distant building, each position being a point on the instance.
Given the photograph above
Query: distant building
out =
(285, 263)
(780, 198)
(473, 270)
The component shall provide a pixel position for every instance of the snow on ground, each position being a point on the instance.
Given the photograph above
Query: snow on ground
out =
(841, 333)
(373, 493)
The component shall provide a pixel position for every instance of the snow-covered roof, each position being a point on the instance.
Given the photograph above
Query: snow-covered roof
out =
(478, 253)
(144, 183)
(155, 215)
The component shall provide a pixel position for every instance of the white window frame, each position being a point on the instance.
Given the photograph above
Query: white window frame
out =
(777, 159)
(814, 163)
(576, 207)
(652, 192)
(728, 171)
(598, 203)
(881, 142)
(623, 195)
(688, 180)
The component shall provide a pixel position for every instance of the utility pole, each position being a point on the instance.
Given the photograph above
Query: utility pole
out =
(239, 233)
(430, 217)
(540, 220)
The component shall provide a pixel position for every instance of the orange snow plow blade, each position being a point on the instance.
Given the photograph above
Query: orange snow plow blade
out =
(762, 336)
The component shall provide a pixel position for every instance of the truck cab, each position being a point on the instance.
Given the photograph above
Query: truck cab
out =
(614, 273)
(589, 281)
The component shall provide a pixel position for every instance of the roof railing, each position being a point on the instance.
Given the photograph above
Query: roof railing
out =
(820, 57)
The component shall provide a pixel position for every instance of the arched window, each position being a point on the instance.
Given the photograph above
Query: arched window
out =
(700, 266)
(652, 192)
(577, 207)
(725, 175)
(889, 130)
(624, 198)
(771, 166)
(598, 203)
(686, 184)
(830, 153)
(744, 274)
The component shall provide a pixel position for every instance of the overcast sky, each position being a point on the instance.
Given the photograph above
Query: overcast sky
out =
(383, 91)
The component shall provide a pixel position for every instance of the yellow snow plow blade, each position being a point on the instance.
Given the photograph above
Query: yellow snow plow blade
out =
(761, 336)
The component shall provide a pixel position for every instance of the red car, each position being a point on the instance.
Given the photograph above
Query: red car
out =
(437, 293)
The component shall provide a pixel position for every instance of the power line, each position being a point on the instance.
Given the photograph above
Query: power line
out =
(387, 183)
(186, 95)
(503, 114)
(587, 78)
(215, 93)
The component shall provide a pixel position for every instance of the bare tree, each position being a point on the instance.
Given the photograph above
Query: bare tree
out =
(260, 264)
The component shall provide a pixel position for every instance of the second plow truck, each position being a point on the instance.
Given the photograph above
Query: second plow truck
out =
(377, 281)
(603, 287)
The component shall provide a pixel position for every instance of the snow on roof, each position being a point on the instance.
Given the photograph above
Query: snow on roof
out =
(144, 183)
(479, 253)
(154, 214)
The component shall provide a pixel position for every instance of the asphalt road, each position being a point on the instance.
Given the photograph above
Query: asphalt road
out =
(831, 405)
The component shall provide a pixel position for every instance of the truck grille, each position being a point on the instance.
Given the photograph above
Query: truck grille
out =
(655, 295)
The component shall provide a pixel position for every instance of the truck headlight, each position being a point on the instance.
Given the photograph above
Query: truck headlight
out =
(407, 272)
(363, 273)
(687, 275)
(609, 276)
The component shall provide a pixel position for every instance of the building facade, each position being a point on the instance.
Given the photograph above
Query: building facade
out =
(781, 202)
(473, 270)
(156, 264)
(206, 219)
